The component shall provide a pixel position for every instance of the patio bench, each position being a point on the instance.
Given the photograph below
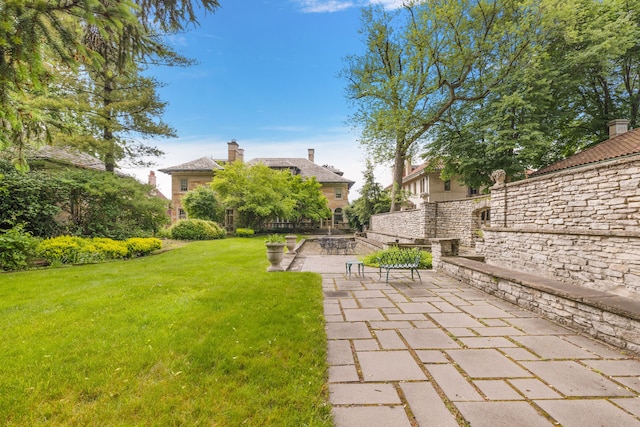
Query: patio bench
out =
(400, 260)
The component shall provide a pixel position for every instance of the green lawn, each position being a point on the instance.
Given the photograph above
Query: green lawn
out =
(199, 335)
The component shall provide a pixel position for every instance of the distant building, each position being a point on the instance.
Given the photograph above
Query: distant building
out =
(423, 185)
(335, 187)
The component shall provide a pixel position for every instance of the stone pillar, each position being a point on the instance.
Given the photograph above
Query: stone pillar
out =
(443, 248)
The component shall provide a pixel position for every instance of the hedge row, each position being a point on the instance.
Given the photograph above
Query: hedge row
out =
(78, 250)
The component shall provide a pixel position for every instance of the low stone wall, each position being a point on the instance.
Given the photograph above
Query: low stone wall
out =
(454, 218)
(406, 226)
(606, 261)
(607, 317)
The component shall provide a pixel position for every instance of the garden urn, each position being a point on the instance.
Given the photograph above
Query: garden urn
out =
(275, 254)
(291, 243)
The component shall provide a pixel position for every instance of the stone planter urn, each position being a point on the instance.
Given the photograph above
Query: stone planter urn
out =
(275, 254)
(291, 243)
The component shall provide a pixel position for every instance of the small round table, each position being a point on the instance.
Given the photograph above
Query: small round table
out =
(360, 265)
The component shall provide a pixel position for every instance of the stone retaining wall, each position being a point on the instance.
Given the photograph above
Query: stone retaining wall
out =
(581, 226)
(455, 218)
(607, 261)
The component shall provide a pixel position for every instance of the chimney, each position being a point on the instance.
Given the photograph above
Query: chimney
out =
(312, 153)
(232, 151)
(408, 167)
(240, 155)
(617, 127)
(152, 179)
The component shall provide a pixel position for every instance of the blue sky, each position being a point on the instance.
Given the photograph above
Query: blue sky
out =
(267, 76)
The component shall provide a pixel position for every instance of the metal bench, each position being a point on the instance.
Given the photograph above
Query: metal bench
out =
(400, 260)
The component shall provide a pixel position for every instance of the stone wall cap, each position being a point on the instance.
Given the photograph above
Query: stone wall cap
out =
(625, 307)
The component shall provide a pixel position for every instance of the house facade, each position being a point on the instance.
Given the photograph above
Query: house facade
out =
(334, 186)
(422, 185)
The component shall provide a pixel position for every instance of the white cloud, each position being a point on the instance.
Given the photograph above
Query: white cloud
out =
(330, 6)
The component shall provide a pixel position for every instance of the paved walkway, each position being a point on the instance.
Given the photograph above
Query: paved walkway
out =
(441, 353)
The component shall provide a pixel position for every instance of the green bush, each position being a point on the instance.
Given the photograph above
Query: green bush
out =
(197, 229)
(63, 249)
(244, 232)
(16, 247)
(77, 250)
(139, 246)
(109, 248)
(372, 260)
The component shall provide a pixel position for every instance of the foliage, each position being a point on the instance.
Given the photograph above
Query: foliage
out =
(16, 247)
(139, 246)
(423, 59)
(201, 203)
(104, 205)
(244, 232)
(196, 229)
(582, 74)
(310, 203)
(256, 192)
(78, 250)
(31, 199)
(373, 259)
(275, 238)
(200, 335)
(373, 200)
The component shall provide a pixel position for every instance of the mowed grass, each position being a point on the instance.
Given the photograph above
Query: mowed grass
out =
(199, 335)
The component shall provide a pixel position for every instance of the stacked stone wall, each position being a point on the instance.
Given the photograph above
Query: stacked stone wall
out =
(455, 218)
(580, 226)
(599, 197)
(405, 226)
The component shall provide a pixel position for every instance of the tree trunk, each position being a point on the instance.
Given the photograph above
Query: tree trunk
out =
(396, 187)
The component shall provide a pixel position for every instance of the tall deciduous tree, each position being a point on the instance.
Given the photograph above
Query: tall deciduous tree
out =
(256, 192)
(583, 73)
(310, 203)
(428, 56)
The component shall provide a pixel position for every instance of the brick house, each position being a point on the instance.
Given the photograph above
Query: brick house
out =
(334, 186)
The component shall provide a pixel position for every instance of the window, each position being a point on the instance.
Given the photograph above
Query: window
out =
(337, 216)
(184, 185)
(338, 193)
(473, 191)
(182, 214)
(447, 185)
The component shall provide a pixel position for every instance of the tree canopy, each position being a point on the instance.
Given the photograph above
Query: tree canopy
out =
(104, 42)
(583, 72)
(259, 194)
(423, 59)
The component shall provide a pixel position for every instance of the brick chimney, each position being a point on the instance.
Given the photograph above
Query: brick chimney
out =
(618, 127)
(312, 156)
(152, 179)
(232, 151)
(240, 155)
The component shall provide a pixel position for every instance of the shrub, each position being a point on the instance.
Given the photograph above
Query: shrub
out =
(372, 260)
(197, 229)
(244, 232)
(108, 248)
(138, 246)
(16, 247)
(63, 249)
(76, 250)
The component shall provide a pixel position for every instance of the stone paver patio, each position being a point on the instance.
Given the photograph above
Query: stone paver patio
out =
(441, 353)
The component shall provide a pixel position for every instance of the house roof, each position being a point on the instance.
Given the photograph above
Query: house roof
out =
(622, 145)
(306, 168)
(203, 164)
(66, 156)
